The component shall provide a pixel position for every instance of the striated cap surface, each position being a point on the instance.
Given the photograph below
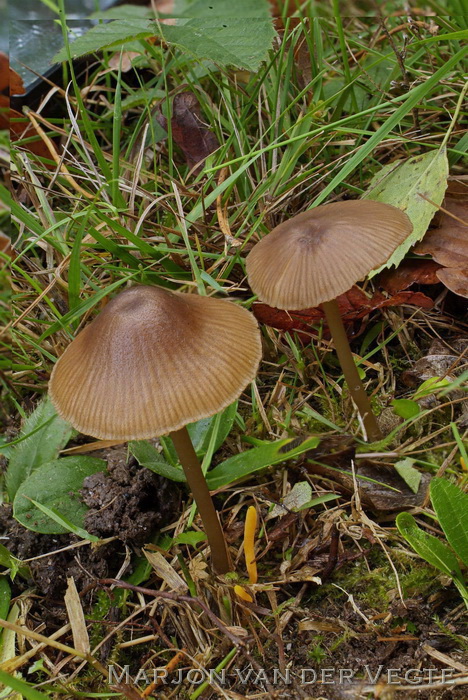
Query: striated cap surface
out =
(319, 254)
(153, 361)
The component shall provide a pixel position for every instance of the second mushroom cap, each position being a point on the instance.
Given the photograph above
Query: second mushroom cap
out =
(319, 254)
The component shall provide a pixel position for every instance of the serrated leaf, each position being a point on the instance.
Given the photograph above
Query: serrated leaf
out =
(41, 447)
(224, 8)
(408, 185)
(56, 486)
(239, 41)
(246, 463)
(408, 473)
(451, 507)
(103, 36)
(148, 456)
(235, 41)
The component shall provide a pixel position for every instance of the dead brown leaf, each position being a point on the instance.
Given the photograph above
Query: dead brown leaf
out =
(127, 58)
(381, 488)
(353, 305)
(189, 131)
(455, 279)
(409, 272)
(4, 72)
(447, 241)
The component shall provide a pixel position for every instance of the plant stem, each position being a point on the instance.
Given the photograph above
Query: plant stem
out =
(350, 372)
(202, 496)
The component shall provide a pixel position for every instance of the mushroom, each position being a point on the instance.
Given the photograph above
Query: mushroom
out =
(315, 256)
(150, 363)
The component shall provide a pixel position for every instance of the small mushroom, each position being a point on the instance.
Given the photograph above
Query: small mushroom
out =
(151, 362)
(315, 256)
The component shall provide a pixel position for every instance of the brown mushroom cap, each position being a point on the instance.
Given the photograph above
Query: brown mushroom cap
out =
(319, 254)
(153, 361)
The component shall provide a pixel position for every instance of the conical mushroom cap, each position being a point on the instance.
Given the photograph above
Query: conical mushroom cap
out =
(318, 255)
(153, 361)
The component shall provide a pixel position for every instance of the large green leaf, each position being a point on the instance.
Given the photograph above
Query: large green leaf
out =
(55, 485)
(103, 36)
(236, 41)
(409, 185)
(428, 547)
(246, 463)
(207, 31)
(42, 445)
(224, 9)
(451, 506)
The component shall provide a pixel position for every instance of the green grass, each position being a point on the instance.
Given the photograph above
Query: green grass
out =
(313, 125)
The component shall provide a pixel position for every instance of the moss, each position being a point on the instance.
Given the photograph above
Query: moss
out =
(370, 583)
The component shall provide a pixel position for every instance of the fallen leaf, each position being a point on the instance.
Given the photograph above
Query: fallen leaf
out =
(353, 305)
(456, 280)
(300, 494)
(127, 58)
(21, 129)
(16, 83)
(448, 242)
(5, 246)
(381, 488)
(4, 72)
(408, 273)
(439, 361)
(189, 131)
(416, 186)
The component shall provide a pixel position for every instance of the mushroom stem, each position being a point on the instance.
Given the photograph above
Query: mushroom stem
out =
(355, 386)
(197, 483)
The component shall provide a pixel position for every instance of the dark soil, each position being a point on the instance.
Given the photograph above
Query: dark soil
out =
(127, 502)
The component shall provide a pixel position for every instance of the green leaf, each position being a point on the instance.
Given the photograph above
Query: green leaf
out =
(451, 507)
(21, 687)
(246, 463)
(408, 473)
(48, 434)
(224, 9)
(320, 499)
(409, 185)
(428, 547)
(430, 386)
(103, 36)
(190, 537)
(56, 486)
(241, 42)
(201, 431)
(148, 456)
(405, 408)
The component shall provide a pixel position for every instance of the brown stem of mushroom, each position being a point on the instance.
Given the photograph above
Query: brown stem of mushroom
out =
(197, 483)
(355, 386)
